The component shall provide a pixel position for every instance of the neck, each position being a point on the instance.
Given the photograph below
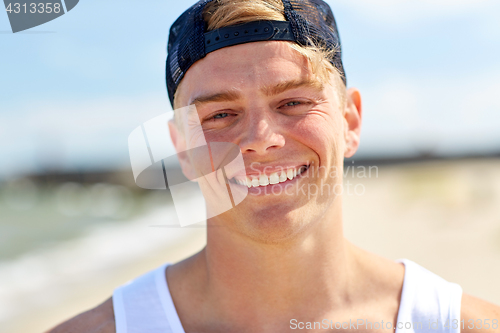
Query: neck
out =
(283, 277)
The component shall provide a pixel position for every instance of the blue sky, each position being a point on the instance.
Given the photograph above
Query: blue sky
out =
(73, 89)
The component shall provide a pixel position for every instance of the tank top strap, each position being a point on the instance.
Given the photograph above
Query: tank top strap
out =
(144, 305)
(429, 303)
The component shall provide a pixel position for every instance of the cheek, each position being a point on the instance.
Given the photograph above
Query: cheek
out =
(221, 136)
(321, 132)
(195, 136)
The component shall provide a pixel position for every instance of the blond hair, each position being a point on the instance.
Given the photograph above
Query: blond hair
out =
(222, 13)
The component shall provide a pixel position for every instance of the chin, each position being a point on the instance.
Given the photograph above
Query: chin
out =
(274, 225)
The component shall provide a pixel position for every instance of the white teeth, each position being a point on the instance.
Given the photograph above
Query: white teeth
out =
(244, 182)
(255, 182)
(263, 180)
(274, 178)
(283, 176)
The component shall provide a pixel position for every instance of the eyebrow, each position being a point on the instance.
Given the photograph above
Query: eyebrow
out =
(230, 96)
(293, 84)
(227, 96)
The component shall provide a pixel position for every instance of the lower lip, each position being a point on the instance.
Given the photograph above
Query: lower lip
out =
(275, 189)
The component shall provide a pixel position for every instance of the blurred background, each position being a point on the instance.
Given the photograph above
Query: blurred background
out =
(73, 224)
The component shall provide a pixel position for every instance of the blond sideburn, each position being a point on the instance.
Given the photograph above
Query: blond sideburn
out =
(222, 13)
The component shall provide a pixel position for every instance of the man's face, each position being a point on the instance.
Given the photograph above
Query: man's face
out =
(263, 97)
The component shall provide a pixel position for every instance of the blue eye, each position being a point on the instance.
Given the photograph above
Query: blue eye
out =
(220, 116)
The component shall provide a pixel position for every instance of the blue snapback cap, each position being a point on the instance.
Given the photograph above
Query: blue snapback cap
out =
(189, 40)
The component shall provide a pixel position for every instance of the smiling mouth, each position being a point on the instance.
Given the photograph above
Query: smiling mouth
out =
(263, 180)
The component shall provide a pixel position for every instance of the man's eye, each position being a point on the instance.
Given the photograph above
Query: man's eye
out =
(294, 103)
(220, 116)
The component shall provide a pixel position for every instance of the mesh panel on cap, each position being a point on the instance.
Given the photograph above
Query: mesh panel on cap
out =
(311, 20)
(186, 45)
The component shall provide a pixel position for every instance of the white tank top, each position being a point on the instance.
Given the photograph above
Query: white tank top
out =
(429, 304)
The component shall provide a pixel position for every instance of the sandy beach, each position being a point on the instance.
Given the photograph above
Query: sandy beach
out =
(443, 215)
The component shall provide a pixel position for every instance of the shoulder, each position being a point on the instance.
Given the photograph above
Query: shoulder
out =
(479, 316)
(97, 320)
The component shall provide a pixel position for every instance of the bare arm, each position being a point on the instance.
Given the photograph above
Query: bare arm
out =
(479, 316)
(97, 320)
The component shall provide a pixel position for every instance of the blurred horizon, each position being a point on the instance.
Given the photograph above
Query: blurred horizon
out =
(74, 88)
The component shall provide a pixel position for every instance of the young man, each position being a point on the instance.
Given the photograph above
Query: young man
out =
(266, 75)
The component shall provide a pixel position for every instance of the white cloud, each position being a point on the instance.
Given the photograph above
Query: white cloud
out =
(454, 114)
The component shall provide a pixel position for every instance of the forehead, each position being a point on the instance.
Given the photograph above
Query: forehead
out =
(242, 68)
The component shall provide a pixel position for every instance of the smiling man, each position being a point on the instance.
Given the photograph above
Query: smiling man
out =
(267, 76)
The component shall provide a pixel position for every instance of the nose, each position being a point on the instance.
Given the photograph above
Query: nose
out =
(261, 135)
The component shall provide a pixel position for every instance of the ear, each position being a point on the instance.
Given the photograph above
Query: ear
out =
(179, 142)
(352, 117)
